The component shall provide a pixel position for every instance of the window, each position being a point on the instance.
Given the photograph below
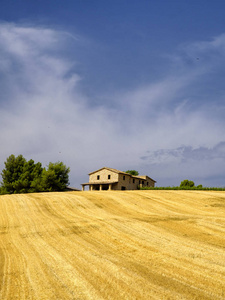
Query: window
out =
(98, 177)
(147, 183)
(133, 180)
(109, 176)
(123, 177)
(142, 182)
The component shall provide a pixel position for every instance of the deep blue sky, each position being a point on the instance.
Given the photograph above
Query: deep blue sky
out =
(128, 38)
(123, 84)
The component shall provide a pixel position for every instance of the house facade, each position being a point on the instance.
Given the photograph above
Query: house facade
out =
(112, 179)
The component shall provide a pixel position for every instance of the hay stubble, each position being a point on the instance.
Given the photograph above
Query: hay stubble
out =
(113, 245)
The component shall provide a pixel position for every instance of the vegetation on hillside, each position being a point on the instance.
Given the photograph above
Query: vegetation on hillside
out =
(173, 188)
(185, 185)
(22, 176)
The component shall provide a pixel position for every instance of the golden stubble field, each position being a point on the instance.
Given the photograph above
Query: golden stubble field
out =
(113, 245)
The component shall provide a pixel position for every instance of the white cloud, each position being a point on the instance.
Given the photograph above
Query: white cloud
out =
(44, 116)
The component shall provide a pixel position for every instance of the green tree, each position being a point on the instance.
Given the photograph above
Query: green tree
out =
(55, 177)
(21, 176)
(185, 184)
(32, 177)
(31, 173)
(132, 172)
(36, 184)
(11, 175)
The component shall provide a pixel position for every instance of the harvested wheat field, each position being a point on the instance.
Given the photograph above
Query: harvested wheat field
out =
(113, 245)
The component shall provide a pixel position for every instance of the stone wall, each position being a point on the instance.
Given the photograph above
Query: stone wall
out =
(103, 176)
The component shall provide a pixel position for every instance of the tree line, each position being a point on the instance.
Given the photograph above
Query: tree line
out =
(22, 176)
(185, 185)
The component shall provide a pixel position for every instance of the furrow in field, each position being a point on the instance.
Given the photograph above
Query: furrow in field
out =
(113, 245)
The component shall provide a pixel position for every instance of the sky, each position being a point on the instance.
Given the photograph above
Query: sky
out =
(120, 84)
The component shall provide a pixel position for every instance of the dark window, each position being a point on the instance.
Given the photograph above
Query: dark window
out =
(139, 181)
(142, 182)
(133, 180)
(147, 183)
(123, 188)
(109, 176)
(98, 177)
(124, 177)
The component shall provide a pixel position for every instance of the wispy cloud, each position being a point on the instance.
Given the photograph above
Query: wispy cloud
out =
(44, 115)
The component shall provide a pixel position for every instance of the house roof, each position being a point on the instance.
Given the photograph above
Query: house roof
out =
(145, 177)
(110, 169)
(121, 172)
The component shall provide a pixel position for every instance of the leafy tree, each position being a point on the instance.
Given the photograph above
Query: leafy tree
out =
(36, 178)
(12, 173)
(21, 176)
(30, 174)
(185, 184)
(33, 174)
(132, 172)
(56, 177)
(199, 186)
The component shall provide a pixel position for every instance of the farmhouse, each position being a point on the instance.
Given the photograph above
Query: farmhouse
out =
(112, 179)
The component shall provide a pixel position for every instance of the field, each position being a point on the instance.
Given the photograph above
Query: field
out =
(113, 245)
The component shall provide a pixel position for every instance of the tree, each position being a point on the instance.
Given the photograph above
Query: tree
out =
(21, 176)
(31, 173)
(12, 173)
(132, 172)
(56, 177)
(185, 184)
(36, 183)
(34, 174)
(199, 186)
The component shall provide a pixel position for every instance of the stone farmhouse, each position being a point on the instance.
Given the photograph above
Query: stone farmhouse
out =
(112, 179)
